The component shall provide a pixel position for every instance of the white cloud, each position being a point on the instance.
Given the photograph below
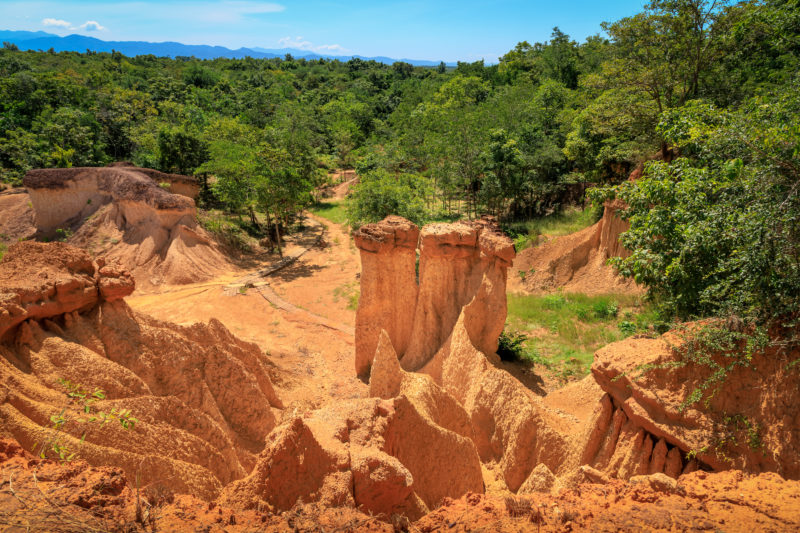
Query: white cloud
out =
(302, 44)
(297, 42)
(91, 25)
(332, 48)
(57, 23)
(227, 12)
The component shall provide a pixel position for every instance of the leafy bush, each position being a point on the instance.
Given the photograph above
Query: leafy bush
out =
(78, 416)
(605, 309)
(626, 327)
(511, 345)
(716, 233)
(62, 234)
(380, 194)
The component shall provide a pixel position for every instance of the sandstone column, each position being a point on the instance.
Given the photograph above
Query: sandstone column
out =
(388, 287)
(459, 263)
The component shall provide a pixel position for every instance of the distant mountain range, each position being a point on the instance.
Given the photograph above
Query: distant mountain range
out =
(39, 40)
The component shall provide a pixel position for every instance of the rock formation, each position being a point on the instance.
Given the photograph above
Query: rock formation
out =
(39, 281)
(726, 501)
(203, 398)
(63, 196)
(381, 456)
(635, 427)
(576, 262)
(443, 419)
(16, 217)
(401, 452)
(122, 212)
(459, 314)
(457, 263)
(88, 498)
(174, 183)
(388, 262)
(748, 422)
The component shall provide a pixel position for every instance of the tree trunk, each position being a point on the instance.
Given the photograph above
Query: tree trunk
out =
(278, 234)
(253, 219)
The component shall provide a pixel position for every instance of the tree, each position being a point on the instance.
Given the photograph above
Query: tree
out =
(232, 161)
(379, 194)
(503, 178)
(663, 51)
(19, 152)
(717, 232)
(181, 151)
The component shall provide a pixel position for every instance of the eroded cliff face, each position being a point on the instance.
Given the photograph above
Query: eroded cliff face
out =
(401, 452)
(388, 267)
(747, 422)
(577, 262)
(122, 213)
(205, 404)
(458, 263)
(203, 398)
(39, 281)
(459, 314)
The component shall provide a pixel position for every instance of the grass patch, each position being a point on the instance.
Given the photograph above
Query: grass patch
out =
(227, 228)
(527, 233)
(335, 211)
(350, 292)
(3, 250)
(564, 330)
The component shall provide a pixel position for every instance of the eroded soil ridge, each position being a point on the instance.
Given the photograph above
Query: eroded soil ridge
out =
(143, 218)
(203, 399)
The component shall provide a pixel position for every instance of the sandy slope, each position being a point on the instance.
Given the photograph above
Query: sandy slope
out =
(313, 362)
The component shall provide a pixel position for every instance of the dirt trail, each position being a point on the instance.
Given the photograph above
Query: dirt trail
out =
(303, 322)
(16, 216)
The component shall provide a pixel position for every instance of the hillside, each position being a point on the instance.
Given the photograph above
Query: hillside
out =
(40, 40)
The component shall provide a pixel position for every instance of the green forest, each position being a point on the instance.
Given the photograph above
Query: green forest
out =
(703, 95)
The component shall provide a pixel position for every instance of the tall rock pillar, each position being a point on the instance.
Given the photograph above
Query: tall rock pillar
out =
(388, 287)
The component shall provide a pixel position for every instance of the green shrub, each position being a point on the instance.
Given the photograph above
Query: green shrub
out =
(78, 416)
(62, 234)
(627, 328)
(716, 232)
(605, 309)
(379, 194)
(511, 345)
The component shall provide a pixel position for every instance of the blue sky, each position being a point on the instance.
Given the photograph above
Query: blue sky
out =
(464, 30)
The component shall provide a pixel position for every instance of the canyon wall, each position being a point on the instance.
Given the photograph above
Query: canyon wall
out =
(122, 213)
(576, 262)
(203, 399)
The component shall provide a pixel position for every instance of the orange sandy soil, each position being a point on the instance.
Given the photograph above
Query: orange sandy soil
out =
(37, 495)
(16, 216)
(314, 362)
(45, 496)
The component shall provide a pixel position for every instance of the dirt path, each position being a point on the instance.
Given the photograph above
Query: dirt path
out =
(298, 314)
